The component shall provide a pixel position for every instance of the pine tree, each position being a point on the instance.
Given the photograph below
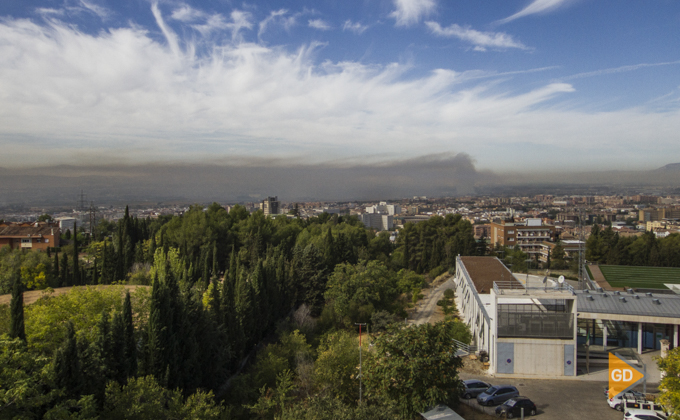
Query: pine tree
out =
(17, 329)
(130, 350)
(95, 278)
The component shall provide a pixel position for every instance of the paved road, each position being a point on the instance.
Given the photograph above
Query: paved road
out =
(560, 400)
(427, 306)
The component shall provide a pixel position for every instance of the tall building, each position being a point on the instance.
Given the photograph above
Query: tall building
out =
(270, 205)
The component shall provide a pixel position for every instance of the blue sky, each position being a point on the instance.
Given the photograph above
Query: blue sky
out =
(519, 85)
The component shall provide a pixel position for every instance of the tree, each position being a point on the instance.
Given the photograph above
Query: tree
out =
(414, 368)
(76, 270)
(45, 218)
(129, 342)
(336, 366)
(17, 329)
(670, 384)
(67, 369)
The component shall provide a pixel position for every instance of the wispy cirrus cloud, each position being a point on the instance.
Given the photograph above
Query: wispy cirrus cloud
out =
(355, 27)
(279, 17)
(481, 40)
(621, 69)
(162, 100)
(319, 24)
(410, 12)
(536, 6)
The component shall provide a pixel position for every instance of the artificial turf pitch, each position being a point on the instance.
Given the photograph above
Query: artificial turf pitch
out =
(640, 277)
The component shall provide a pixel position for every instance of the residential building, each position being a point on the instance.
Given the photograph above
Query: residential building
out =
(38, 236)
(528, 234)
(377, 221)
(270, 206)
(570, 247)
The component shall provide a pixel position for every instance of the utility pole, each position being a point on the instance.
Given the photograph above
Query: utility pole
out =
(581, 250)
(360, 360)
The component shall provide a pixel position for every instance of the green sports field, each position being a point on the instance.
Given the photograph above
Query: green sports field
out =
(640, 277)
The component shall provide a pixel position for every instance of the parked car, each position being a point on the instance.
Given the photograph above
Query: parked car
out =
(497, 394)
(617, 402)
(635, 414)
(640, 404)
(513, 407)
(474, 387)
(635, 393)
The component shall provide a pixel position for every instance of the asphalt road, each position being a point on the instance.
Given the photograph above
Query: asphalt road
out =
(560, 399)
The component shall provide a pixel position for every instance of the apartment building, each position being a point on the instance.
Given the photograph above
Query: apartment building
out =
(270, 206)
(38, 236)
(652, 215)
(528, 235)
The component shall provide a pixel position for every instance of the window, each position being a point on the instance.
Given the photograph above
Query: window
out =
(47, 241)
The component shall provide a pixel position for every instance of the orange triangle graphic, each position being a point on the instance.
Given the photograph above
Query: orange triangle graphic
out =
(621, 375)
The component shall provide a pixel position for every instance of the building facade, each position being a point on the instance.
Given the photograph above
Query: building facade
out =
(527, 235)
(270, 206)
(36, 237)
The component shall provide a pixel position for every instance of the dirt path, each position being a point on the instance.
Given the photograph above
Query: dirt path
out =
(33, 295)
(426, 309)
(599, 278)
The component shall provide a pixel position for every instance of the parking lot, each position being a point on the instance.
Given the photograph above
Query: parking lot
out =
(559, 399)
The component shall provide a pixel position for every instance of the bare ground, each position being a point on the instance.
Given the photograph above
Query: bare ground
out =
(33, 295)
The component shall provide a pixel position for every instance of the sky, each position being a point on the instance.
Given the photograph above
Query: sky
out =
(511, 85)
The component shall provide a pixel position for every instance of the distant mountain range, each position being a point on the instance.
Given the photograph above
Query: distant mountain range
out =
(670, 167)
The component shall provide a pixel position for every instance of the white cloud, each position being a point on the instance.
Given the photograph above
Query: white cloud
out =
(278, 17)
(69, 97)
(536, 6)
(319, 24)
(186, 13)
(409, 12)
(621, 69)
(98, 10)
(355, 27)
(481, 40)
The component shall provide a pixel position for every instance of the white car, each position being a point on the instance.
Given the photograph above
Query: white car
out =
(636, 414)
(617, 402)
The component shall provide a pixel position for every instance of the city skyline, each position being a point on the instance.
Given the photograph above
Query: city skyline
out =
(516, 86)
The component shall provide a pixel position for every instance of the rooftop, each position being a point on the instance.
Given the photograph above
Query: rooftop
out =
(484, 271)
(627, 303)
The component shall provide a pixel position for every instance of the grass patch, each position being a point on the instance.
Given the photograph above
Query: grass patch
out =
(640, 277)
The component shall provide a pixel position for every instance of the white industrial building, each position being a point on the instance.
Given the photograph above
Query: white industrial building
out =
(377, 221)
(532, 328)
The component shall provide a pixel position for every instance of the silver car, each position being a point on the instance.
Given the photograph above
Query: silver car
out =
(497, 394)
(474, 387)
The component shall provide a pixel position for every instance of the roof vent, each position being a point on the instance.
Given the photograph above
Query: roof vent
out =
(591, 298)
(599, 289)
(649, 294)
(636, 296)
(622, 299)
(617, 293)
(631, 291)
(605, 295)
(587, 291)
(657, 301)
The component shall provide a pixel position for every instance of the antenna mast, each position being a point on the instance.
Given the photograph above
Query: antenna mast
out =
(581, 250)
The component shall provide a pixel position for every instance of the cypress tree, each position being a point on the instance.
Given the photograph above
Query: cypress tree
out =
(95, 277)
(215, 264)
(67, 367)
(105, 273)
(65, 279)
(118, 362)
(76, 269)
(56, 266)
(130, 351)
(17, 329)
